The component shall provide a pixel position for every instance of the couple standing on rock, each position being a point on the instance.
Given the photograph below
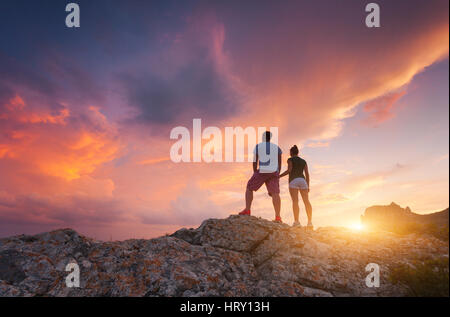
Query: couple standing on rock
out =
(268, 156)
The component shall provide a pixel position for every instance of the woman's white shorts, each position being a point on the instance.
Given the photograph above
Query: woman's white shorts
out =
(299, 183)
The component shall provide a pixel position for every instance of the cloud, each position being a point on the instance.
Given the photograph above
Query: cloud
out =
(380, 109)
(191, 78)
(56, 142)
(154, 161)
(436, 161)
(331, 199)
(306, 85)
(353, 186)
(67, 211)
(83, 203)
(50, 77)
(318, 170)
(318, 144)
(193, 205)
(190, 206)
(15, 74)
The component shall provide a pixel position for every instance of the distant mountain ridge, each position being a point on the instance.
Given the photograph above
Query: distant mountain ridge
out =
(395, 218)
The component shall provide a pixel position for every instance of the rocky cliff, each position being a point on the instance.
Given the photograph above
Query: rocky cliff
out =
(237, 256)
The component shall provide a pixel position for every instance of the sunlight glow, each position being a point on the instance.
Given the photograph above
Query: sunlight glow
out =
(356, 226)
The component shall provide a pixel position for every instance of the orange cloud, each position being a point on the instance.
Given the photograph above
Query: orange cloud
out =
(154, 161)
(318, 144)
(46, 118)
(15, 103)
(4, 149)
(48, 144)
(18, 111)
(311, 101)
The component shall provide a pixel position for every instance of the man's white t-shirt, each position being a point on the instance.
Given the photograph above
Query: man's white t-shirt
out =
(267, 156)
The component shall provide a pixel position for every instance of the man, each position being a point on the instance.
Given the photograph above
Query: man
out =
(268, 156)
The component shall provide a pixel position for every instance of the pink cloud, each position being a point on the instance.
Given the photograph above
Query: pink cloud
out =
(381, 108)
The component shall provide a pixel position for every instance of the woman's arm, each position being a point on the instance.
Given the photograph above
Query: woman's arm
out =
(289, 162)
(307, 175)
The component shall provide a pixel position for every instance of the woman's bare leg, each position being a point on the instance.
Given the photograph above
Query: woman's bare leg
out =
(295, 207)
(308, 207)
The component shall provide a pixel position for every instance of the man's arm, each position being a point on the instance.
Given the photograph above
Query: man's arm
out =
(255, 163)
(289, 169)
(307, 175)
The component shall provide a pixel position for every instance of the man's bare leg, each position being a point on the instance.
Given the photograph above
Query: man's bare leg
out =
(276, 204)
(248, 199)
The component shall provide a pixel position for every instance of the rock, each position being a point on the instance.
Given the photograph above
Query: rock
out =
(10, 270)
(236, 256)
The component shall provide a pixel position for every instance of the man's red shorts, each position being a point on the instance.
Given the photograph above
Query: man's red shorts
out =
(271, 180)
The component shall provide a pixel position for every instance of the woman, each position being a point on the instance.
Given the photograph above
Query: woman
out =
(297, 182)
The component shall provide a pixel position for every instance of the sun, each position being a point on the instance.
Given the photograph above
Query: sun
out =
(356, 226)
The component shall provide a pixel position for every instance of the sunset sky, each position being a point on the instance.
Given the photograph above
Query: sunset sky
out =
(85, 113)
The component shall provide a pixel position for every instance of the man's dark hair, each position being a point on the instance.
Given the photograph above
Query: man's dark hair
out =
(294, 150)
(267, 136)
